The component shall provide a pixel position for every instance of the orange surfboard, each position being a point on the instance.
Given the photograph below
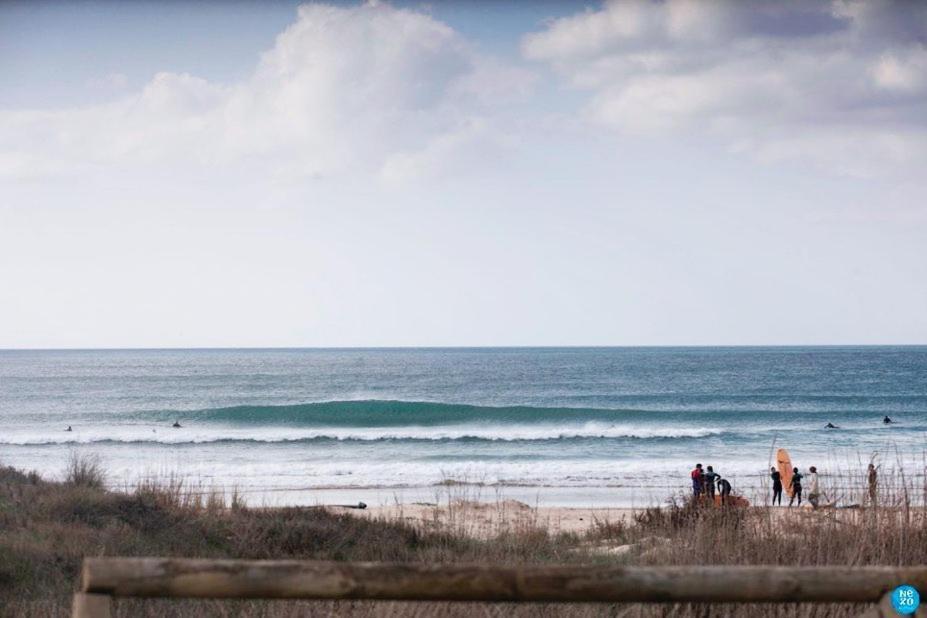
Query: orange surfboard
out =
(784, 465)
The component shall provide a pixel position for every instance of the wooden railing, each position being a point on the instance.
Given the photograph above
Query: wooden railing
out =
(102, 579)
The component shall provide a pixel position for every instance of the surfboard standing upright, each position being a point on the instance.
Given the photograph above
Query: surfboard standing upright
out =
(784, 464)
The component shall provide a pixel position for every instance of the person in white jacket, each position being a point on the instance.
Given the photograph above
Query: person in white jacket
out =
(814, 488)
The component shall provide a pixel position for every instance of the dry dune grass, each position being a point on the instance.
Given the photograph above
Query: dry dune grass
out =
(48, 527)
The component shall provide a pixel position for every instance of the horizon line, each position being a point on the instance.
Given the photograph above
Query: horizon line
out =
(463, 347)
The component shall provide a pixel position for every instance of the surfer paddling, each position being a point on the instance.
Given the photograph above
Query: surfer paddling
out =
(176, 425)
(887, 420)
(830, 426)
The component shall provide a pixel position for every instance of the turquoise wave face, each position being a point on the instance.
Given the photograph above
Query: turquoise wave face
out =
(377, 413)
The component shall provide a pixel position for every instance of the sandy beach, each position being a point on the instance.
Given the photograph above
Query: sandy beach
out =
(486, 519)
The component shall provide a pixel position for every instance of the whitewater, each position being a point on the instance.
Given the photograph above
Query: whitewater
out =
(556, 426)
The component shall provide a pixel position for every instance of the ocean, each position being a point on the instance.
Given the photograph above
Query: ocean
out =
(548, 426)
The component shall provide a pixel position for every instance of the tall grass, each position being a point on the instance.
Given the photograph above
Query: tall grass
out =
(85, 471)
(179, 494)
(47, 528)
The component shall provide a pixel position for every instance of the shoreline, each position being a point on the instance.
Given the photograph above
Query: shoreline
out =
(846, 489)
(487, 519)
(596, 498)
(533, 496)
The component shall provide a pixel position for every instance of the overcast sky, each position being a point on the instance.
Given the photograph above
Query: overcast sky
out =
(633, 173)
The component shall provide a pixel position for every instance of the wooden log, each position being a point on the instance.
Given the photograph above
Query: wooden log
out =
(160, 577)
(885, 610)
(91, 605)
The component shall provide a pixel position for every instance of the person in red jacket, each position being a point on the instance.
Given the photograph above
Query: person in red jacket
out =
(697, 480)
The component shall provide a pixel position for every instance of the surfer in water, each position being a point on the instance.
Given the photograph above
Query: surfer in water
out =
(887, 420)
(69, 428)
(830, 426)
(176, 425)
(777, 485)
(796, 487)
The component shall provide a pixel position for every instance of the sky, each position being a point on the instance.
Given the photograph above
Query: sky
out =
(462, 174)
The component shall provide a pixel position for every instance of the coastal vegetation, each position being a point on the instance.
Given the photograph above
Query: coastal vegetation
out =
(47, 527)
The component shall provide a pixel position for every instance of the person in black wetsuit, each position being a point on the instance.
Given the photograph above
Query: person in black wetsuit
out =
(887, 420)
(830, 426)
(796, 487)
(777, 485)
(724, 488)
(708, 486)
(176, 425)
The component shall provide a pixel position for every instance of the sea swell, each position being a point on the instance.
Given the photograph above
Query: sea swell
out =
(370, 421)
(390, 413)
(394, 413)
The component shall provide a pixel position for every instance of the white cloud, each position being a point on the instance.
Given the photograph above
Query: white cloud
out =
(785, 80)
(342, 90)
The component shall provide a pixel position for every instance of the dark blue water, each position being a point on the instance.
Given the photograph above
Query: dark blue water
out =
(560, 419)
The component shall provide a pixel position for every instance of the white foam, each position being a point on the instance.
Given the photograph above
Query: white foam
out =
(199, 434)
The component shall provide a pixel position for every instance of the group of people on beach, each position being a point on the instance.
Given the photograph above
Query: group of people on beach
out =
(815, 493)
(706, 482)
(795, 487)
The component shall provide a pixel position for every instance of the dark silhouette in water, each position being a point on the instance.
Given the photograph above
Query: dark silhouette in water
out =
(830, 426)
(887, 420)
(176, 425)
(69, 428)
